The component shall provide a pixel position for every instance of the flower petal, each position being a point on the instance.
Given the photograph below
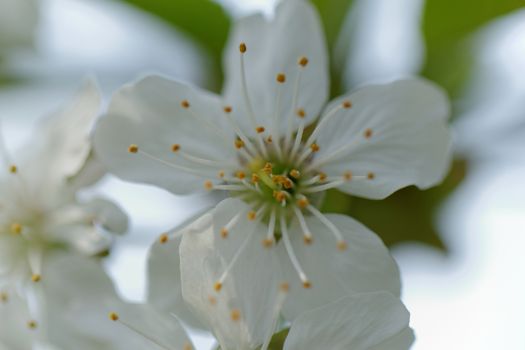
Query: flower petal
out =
(397, 132)
(365, 265)
(275, 47)
(152, 115)
(107, 214)
(401, 341)
(240, 313)
(357, 322)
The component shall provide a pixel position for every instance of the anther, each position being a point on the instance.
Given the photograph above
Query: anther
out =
(347, 176)
(281, 78)
(235, 315)
(212, 300)
(36, 278)
(342, 245)
(175, 147)
(267, 242)
(242, 48)
(268, 168)
(303, 202)
(32, 324)
(280, 196)
(208, 185)
(221, 174)
(260, 129)
(163, 239)
(133, 148)
(239, 143)
(13, 169)
(224, 232)
(187, 346)
(307, 284)
(308, 239)
(252, 215)
(227, 109)
(295, 173)
(322, 177)
(303, 61)
(241, 175)
(113, 316)
(255, 178)
(284, 287)
(370, 176)
(314, 147)
(269, 139)
(185, 104)
(16, 228)
(300, 113)
(347, 104)
(4, 297)
(368, 133)
(217, 286)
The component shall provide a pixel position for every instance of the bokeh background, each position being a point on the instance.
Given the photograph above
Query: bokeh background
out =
(460, 246)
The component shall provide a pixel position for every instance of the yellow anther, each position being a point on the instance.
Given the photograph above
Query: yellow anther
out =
(113, 316)
(239, 143)
(133, 148)
(36, 278)
(347, 104)
(303, 61)
(300, 113)
(255, 178)
(287, 183)
(322, 177)
(32, 324)
(164, 238)
(185, 104)
(13, 169)
(314, 147)
(16, 228)
(370, 176)
(175, 147)
(281, 78)
(224, 232)
(217, 286)
(267, 242)
(242, 48)
(221, 174)
(303, 202)
(308, 239)
(212, 300)
(228, 109)
(4, 297)
(368, 133)
(347, 176)
(278, 179)
(252, 215)
(269, 139)
(284, 287)
(280, 196)
(307, 284)
(208, 185)
(268, 168)
(342, 245)
(235, 315)
(241, 175)
(295, 173)
(260, 129)
(187, 346)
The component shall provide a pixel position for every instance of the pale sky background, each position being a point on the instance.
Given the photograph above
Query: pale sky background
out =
(470, 300)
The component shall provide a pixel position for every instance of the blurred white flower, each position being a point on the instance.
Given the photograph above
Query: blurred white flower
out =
(18, 23)
(40, 215)
(252, 143)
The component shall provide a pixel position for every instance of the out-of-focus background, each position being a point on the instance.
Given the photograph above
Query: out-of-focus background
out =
(460, 246)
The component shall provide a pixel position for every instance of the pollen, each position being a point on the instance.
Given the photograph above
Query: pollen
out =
(208, 185)
(255, 178)
(314, 147)
(300, 113)
(32, 324)
(280, 196)
(235, 315)
(185, 104)
(368, 133)
(308, 239)
(36, 278)
(307, 284)
(228, 109)
(252, 215)
(217, 286)
(303, 61)
(284, 287)
(347, 104)
(295, 173)
(268, 168)
(242, 48)
(260, 129)
(347, 176)
(370, 176)
(221, 174)
(133, 148)
(13, 169)
(267, 242)
(113, 316)
(239, 143)
(164, 238)
(342, 245)
(241, 175)
(224, 232)
(269, 139)
(281, 78)
(175, 147)
(303, 202)
(16, 228)
(322, 177)
(212, 300)
(4, 297)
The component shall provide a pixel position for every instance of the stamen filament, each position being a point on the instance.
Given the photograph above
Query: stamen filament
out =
(340, 152)
(322, 123)
(270, 234)
(206, 162)
(324, 187)
(114, 317)
(288, 137)
(171, 165)
(249, 145)
(291, 253)
(335, 231)
(304, 227)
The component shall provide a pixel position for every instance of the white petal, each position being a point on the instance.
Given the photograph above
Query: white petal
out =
(14, 315)
(149, 114)
(409, 144)
(357, 322)
(275, 47)
(365, 266)
(250, 290)
(18, 23)
(401, 341)
(107, 214)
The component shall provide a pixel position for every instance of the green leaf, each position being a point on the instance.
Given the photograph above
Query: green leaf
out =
(407, 215)
(203, 20)
(447, 28)
(278, 339)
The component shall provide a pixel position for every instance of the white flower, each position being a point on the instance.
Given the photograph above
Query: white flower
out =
(40, 215)
(252, 143)
(18, 22)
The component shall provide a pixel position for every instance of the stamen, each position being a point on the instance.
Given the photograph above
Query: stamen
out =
(341, 243)
(235, 315)
(113, 316)
(260, 129)
(13, 169)
(133, 148)
(240, 133)
(270, 234)
(370, 176)
(176, 148)
(34, 257)
(291, 254)
(225, 231)
(295, 173)
(324, 187)
(4, 297)
(302, 63)
(16, 228)
(281, 79)
(32, 324)
(368, 133)
(307, 235)
(164, 238)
